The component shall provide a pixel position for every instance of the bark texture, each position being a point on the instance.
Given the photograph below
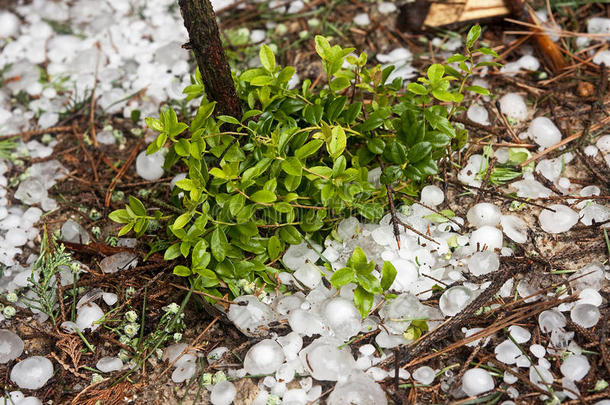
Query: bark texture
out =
(204, 40)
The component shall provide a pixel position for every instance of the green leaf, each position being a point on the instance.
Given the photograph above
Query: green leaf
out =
(182, 271)
(388, 274)
(342, 277)
(207, 278)
(370, 124)
(181, 221)
(182, 147)
(274, 247)
(290, 235)
(262, 80)
(438, 218)
(200, 256)
(435, 73)
(487, 51)
(308, 149)
(369, 282)
(172, 252)
(375, 145)
(478, 90)
(473, 35)
(322, 46)
(292, 166)
(340, 83)
(121, 216)
(419, 151)
(263, 196)
(267, 58)
(236, 203)
(417, 88)
(457, 58)
(363, 301)
(124, 230)
(358, 259)
(228, 119)
(219, 244)
(337, 143)
(154, 124)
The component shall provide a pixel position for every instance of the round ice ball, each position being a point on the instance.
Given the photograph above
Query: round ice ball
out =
(87, 315)
(484, 214)
(223, 393)
(9, 24)
(484, 262)
(513, 106)
(109, 364)
(477, 381)
(562, 220)
(477, 113)
(150, 167)
(550, 320)
(487, 237)
(455, 299)
(544, 132)
(343, 317)
(575, 367)
(424, 375)
(11, 346)
(432, 195)
(585, 315)
(32, 373)
(514, 228)
(264, 357)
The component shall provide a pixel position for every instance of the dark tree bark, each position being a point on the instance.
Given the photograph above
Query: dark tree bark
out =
(204, 40)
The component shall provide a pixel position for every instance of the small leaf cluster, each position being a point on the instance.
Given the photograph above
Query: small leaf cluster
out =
(359, 271)
(295, 163)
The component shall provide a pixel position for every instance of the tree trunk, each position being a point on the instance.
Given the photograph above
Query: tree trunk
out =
(204, 40)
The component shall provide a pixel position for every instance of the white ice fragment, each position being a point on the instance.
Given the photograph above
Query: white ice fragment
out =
(484, 262)
(550, 320)
(257, 36)
(32, 373)
(87, 315)
(11, 346)
(590, 296)
(357, 389)
(591, 151)
(347, 229)
(109, 364)
(455, 299)
(510, 378)
(477, 113)
(603, 143)
(150, 167)
(544, 132)
(507, 352)
(585, 315)
(594, 213)
(514, 228)
(118, 261)
(487, 237)
(538, 350)
(473, 331)
(307, 323)
(575, 367)
(295, 396)
(367, 349)
(386, 7)
(72, 231)
(562, 220)
(184, 372)
(223, 393)
(31, 191)
(325, 360)
(477, 381)
(297, 255)
(424, 375)
(602, 57)
(110, 298)
(520, 334)
(599, 25)
(295, 7)
(541, 376)
(482, 214)
(530, 188)
(590, 276)
(342, 317)
(513, 106)
(362, 20)
(264, 357)
(252, 318)
(48, 119)
(178, 355)
(9, 24)
(432, 195)
(309, 275)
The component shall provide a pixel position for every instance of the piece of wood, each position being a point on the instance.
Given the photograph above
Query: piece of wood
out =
(204, 41)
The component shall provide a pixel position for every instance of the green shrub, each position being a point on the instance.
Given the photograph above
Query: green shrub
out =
(298, 161)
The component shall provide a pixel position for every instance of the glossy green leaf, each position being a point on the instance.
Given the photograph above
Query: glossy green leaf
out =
(363, 301)
(388, 274)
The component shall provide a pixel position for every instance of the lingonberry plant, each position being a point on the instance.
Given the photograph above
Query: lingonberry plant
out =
(298, 161)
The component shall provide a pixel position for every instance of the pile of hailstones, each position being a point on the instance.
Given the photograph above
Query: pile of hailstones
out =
(290, 369)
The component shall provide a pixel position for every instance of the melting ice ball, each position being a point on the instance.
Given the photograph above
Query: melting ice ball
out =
(484, 214)
(550, 320)
(87, 315)
(575, 367)
(32, 373)
(358, 389)
(424, 375)
(484, 262)
(326, 361)
(513, 106)
(223, 393)
(343, 317)
(455, 299)
(514, 228)
(487, 237)
(544, 132)
(585, 315)
(432, 195)
(264, 357)
(109, 364)
(11, 346)
(477, 381)
(562, 220)
(72, 231)
(150, 167)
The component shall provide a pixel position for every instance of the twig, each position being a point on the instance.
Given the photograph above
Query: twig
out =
(121, 172)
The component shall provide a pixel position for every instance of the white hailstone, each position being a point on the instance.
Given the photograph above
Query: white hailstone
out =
(603, 143)
(118, 261)
(362, 20)
(257, 36)
(528, 62)
(223, 393)
(29, 401)
(252, 318)
(473, 331)
(357, 389)
(484, 262)
(585, 315)
(342, 317)
(396, 55)
(110, 298)
(432, 195)
(32, 373)
(150, 167)
(590, 276)
(31, 191)
(550, 320)
(530, 188)
(562, 220)
(575, 367)
(326, 361)
(297, 255)
(507, 352)
(11, 346)
(73, 232)
(109, 364)
(544, 132)
(594, 212)
(374, 177)
(455, 299)
(105, 138)
(598, 25)
(602, 57)
(307, 323)
(386, 7)
(16, 237)
(295, 396)
(541, 376)
(591, 150)
(513, 106)
(348, 228)
(487, 237)
(87, 315)
(367, 349)
(477, 381)
(424, 375)
(264, 357)
(521, 335)
(589, 191)
(538, 350)
(590, 296)
(383, 235)
(308, 275)
(184, 371)
(9, 24)
(477, 113)
(295, 7)
(178, 355)
(514, 228)
(570, 389)
(560, 339)
(398, 313)
(510, 378)
(48, 119)
(217, 354)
